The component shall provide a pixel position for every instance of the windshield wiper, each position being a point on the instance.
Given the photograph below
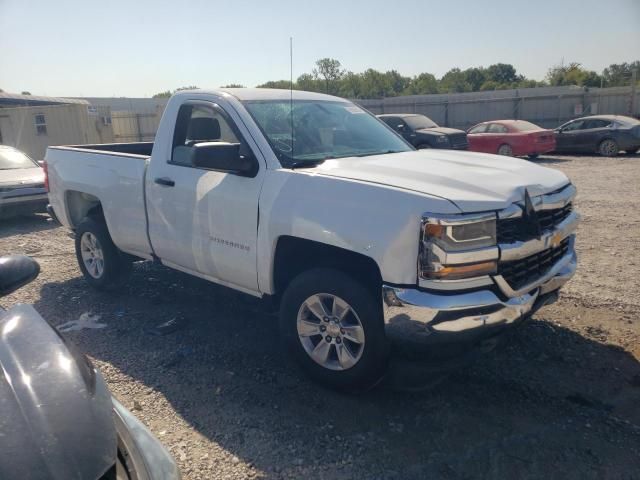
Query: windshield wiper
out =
(307, 163)
(382, 152)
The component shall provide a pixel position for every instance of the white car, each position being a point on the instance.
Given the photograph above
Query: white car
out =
(22, 188)
(369, 247)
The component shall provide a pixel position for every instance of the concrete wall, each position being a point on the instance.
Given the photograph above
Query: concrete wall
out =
(545, 106)
(64, 125)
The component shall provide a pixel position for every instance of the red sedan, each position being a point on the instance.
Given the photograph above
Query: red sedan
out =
(511, 137)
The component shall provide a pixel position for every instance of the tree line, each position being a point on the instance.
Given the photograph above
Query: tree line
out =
(329, 76)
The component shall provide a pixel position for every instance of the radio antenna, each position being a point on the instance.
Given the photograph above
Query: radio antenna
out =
(291, 92)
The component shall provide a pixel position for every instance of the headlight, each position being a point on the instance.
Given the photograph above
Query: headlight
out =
(442, 139)
(458, 246)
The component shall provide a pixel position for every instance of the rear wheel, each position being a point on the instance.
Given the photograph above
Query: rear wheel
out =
(102, 264)
(608, 148)
(506, 150)
(333, 327)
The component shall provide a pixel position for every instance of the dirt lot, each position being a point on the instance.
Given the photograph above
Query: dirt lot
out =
(560, 400)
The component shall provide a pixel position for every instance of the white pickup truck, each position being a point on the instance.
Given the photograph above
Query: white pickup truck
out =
(369, 247)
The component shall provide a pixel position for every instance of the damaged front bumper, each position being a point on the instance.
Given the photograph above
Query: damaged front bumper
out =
(418, 320)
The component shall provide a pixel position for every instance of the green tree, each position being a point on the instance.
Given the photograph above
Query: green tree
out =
(330, 71)
(619, 74)
(375, 84)
(475, 77)
(422, 84)
(308, 83)
(168, 93)
(286, 84)
(233, 85)
(572, 74)
(503, 73)
(398, 83)
(454, 81)
(165, 94)
(351, 86)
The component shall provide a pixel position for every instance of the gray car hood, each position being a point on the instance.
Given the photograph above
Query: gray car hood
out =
(472, 181)
(55, 410)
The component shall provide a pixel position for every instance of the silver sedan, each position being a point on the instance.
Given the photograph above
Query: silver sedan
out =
(22, 188)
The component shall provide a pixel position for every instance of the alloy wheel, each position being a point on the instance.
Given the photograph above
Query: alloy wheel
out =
(330, 331)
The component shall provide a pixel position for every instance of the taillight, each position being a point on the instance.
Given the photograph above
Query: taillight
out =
(45, 167)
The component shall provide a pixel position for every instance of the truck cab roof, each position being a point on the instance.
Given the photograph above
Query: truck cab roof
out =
(252, 94)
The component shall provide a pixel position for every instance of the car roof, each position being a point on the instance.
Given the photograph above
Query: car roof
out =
(249, 94)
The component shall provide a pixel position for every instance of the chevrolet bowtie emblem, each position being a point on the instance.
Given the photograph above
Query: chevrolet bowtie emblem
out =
(530, 216)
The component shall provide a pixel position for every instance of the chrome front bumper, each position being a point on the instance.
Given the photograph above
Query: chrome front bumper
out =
(419, 318)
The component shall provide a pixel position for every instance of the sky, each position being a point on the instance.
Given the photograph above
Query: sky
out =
(136, 48)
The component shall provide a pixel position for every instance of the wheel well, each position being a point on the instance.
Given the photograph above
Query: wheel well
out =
(295, 255)
(81, 205)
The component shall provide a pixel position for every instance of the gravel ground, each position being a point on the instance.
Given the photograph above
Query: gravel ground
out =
(561, 399)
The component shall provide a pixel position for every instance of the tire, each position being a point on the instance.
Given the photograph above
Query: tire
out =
(110, 267)
(608, 148)
(533, 156)
(363, 364)
(506, 150)
(423, 146)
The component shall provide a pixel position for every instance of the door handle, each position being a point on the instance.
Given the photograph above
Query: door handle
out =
(164, 181)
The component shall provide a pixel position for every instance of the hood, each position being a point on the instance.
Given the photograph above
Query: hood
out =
(56, 419)
(440, 131)
(472, 181)
(21, 176)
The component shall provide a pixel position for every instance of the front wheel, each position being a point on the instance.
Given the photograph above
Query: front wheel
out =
(608, 148)
(102, 264)
(506, 150)
(333, 327)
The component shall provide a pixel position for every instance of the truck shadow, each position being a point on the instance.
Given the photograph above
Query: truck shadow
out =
(551, 403)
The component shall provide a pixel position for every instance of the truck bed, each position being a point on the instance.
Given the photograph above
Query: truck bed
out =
(137, 148)
(110, 175)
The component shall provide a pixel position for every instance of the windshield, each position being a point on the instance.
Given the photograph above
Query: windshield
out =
(321, 130)
(11, 159)
(417, 122)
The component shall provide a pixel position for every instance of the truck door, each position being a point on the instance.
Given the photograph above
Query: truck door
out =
(204, 221)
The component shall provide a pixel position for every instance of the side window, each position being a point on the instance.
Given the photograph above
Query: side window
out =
(393, 122)
(497, 128)
(597, 123)
(479, 128)
(198, 123)
(577, 125)
(41, 124)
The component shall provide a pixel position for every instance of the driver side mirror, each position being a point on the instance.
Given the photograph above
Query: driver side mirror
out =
(224, 157)
(402, 127)
(15, 272)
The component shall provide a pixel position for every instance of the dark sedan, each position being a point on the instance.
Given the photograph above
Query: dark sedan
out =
(604, 134)
(422, 132)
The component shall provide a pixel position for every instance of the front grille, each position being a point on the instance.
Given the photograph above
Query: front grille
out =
(521, 272)
(517, 230)
(458, 140)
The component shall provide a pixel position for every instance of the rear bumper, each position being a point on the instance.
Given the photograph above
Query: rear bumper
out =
(23, 204)
(416, 321)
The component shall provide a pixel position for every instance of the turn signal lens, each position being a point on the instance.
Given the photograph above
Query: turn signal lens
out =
(462, 271)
